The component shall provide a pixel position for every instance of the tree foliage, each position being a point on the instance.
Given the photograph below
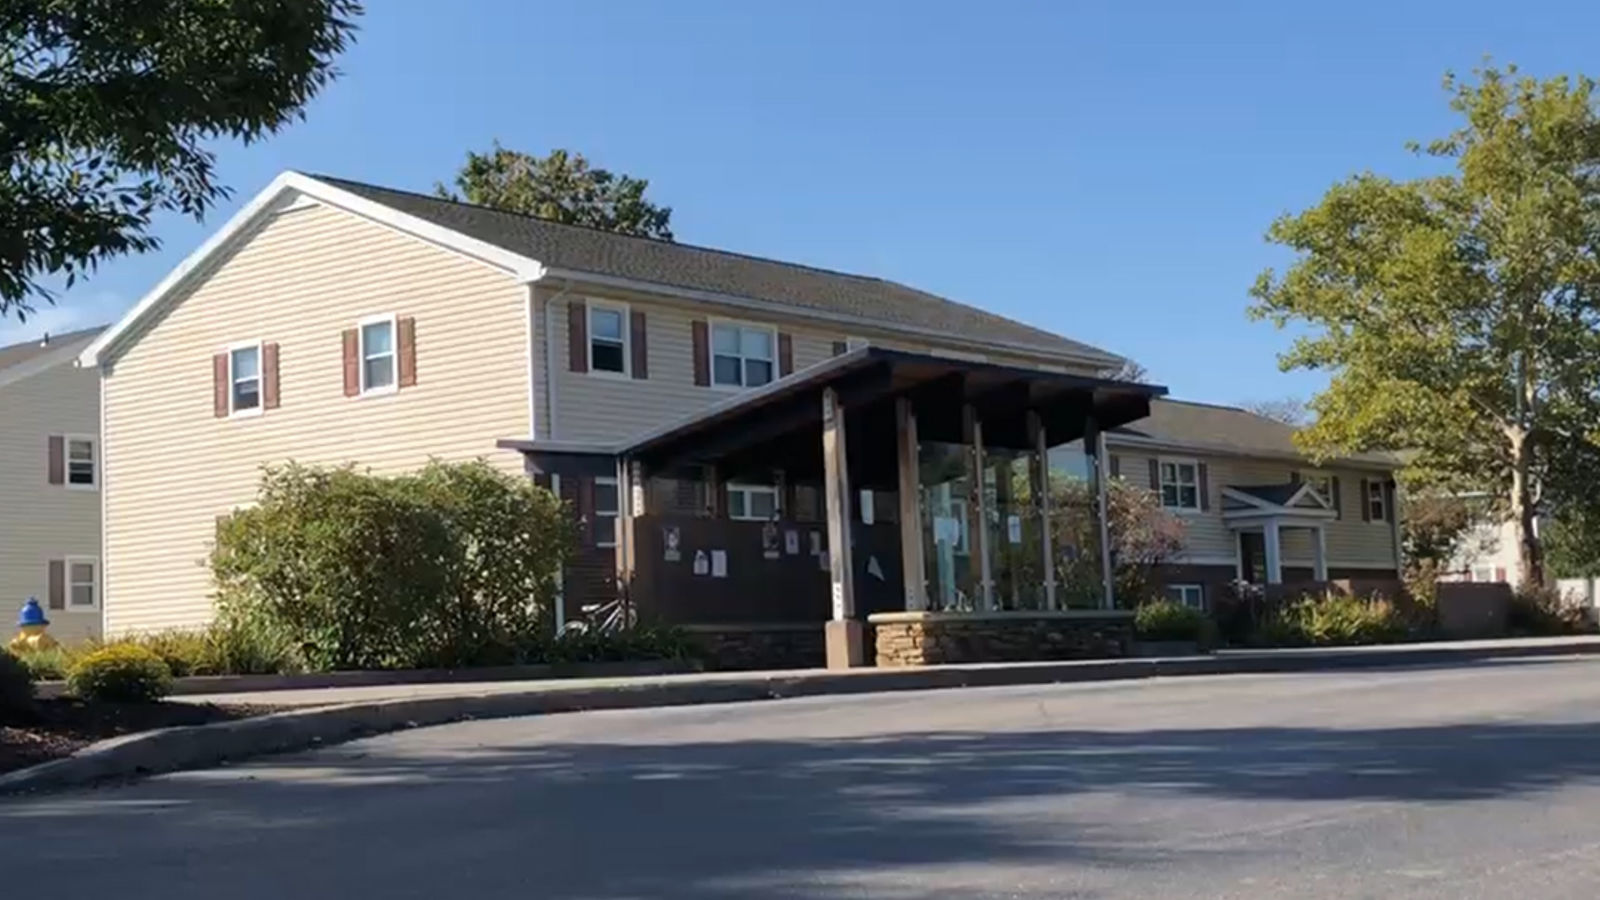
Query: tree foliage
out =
(106, 109)
(1458, 312)
(561, 187)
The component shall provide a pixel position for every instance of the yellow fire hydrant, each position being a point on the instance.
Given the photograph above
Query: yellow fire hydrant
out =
(31, 633)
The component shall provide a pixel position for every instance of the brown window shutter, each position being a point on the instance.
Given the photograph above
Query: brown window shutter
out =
(702, 353)
(586, 508)
(58, 584)
(1499, 573)
(406, 345)
(840, 348)
(785, 354)
(639, 345)
(1295, 478)
(1337, 498)
(219, 385)
(1155, 475)
(1366, 500)
(1116, 465)
(352, 362)
(577, 336)
(1388, 501)
(269, 376)
(56, 459)
(1204, 476)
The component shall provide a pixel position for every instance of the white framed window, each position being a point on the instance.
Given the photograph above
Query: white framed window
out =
(1377, 501)
(609, 339)
(752, 502)
(379, 361)
(607, 508)
(743, 356)
(1322, 484)
(1180, 484)
(83, 583)
(82, 465)
(244, 379)
(1483, 573)
(1190, 595)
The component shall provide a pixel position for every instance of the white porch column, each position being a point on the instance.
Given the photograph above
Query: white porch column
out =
(845, 635)
(1273, 552)
(1319, 554)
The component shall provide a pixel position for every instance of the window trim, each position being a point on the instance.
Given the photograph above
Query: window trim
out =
(67, 563)
(1383, 502)
(261, 380)
(94, 461)
(393, 321)
(747, 488)
(614, 514)
(625, 311)
(1175, 461)
(1326, 481)
(711, 352)
(1183, 589)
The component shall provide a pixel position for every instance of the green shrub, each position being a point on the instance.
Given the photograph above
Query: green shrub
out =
(126, 673)
(241, 644)
(47, 665)
(1332, 620)
(16, 687)
(453, 566)
(644, 641)
(1543, 611)
(185, 651)
(1164, 620)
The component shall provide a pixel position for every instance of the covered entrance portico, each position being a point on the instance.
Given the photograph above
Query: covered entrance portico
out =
(1259, 516)
(879, 482)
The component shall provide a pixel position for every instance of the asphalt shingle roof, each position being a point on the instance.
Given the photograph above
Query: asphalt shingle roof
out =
(699, 268)
(17, 354)
(1225, 428)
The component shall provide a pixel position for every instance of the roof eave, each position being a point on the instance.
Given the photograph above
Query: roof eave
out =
(1246, 452)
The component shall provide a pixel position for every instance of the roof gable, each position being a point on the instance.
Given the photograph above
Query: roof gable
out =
(18, 361)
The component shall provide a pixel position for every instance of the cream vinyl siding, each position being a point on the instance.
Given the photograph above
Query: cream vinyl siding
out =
(607, 407)
(1350, 541)
(306, 275)
(40, 521)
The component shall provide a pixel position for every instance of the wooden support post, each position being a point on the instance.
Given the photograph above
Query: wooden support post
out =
(911, 561)
(1319, 549)
(1095, 444)
(977, 504)
(629, 501)
(1040, 472)
(844, 634)
(1274, 553)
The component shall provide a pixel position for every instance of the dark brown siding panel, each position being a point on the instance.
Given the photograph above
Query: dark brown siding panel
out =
(56, 459)
(577, 336)
(639, 341)
(785, 354)
(269, 376)
(219, 385)
(702, 354)
(406, 341)
(352, 362)
(58, 584)
(586, 509)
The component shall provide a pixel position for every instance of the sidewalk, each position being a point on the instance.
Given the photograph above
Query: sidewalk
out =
(320, 716)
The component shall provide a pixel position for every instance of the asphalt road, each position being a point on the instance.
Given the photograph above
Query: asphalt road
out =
(1437, 783)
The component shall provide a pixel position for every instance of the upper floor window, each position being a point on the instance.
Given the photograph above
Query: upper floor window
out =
(608, 339)
(80, 462)
(82, 586)
(244, 379)
(607, 507)
(752, 502)
(1180, 484)
(742, 355)
(1322, 484)
(377, 355)
(1377, 501)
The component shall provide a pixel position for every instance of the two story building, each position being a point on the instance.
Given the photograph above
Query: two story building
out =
(332, 321)
(50, 483)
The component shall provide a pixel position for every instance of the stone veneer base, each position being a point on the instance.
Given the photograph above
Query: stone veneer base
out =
(935, 638)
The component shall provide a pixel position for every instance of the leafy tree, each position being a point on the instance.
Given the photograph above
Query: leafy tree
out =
(106, 108)
(1288, 410)
(1458, 313)
(560, 187)
(1572, 542)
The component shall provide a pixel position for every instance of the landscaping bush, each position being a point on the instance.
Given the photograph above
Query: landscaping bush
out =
(16, 687)
(341, 570)
(1542, 611)
(1164, 620)
(241, 644)
(185, 651)
(639, 642)
(124, 673)
(47, 665)
(1332, 620)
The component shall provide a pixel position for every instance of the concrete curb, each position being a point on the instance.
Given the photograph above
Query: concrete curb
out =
(200, 746)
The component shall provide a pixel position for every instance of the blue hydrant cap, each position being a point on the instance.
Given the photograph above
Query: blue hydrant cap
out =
(31, 614)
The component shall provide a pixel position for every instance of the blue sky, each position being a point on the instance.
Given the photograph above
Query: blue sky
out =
(1103, 170)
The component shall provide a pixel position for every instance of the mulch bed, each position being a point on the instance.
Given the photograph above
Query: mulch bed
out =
(61, 727)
